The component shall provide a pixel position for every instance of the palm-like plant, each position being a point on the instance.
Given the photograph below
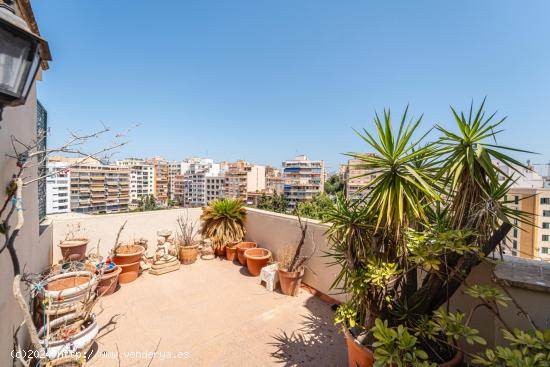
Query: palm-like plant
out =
(434, 209)
(223, 222)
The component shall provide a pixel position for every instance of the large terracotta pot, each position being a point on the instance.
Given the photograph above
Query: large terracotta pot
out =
(361, 356)
(188, 254)
(358, 354)
(73, 250)
(241, 248)
(129, 272)
(128, 254)
(231, 252)
(256, 259)
(108, 282)
(290, 281)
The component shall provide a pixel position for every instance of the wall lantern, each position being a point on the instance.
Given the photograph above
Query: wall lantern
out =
(19, 57)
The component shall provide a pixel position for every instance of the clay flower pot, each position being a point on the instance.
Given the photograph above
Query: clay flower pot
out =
(188, 254)
(231, 252)
(219, 251)
(73, 250)
(241, 248)
(129, 272)
(128, 254)
(256, 259)
(358, 354)
(108, 281)
(290, 281)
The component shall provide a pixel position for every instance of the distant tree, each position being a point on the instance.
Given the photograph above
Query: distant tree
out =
(265, 202)
(315, 208)
(147, 203)
(334, 185)
(279, 203)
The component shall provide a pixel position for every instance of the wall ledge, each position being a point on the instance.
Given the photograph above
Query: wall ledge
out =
(523, 273)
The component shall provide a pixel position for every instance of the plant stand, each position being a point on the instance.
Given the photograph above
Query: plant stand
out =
(270, 276)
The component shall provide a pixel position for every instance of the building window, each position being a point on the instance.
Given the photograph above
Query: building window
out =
(515, 233)
(516, 199)
(515, 244)
(545, 237)
(545, 200)
(546, 213)
(545, 225)
(544, 250)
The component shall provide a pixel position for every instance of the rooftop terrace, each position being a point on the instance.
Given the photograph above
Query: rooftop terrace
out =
(214, 314)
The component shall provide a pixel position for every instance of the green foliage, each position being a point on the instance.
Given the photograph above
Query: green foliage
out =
(346, 314)
(525, 349)
(488, 294)
(334, 185)
(396, 346)
(147, 203)
(315, 208)
(276, 203)
(223, 221)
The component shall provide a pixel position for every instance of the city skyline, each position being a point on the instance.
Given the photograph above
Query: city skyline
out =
(265, 82)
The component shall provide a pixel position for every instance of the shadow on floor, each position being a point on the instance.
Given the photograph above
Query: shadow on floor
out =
(315, 343)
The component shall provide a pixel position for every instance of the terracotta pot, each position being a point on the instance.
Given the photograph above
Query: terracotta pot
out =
(67, 289)
(256, 259)
(290, 281)
(361, 356)
(358, 354)
(241, 248)
(129, 272)
(128, 254)
(73, 250)
(108, 282)
(188, 254)
(231, 253)
(219, 251)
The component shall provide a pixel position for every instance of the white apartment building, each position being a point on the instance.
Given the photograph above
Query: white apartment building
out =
(303, 179)
(142, 178)
(527, 178)
(58, 188)
(201, 182)
(356, 179)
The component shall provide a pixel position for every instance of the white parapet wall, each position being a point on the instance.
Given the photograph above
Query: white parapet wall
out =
(275, 232)
(103, 229)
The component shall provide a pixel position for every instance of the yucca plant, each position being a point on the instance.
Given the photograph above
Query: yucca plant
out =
(223, 222)
(434, 211)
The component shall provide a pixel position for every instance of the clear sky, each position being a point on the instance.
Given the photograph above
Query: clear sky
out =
(265, 80)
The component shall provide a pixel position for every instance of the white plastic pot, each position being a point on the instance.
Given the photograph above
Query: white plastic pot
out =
(71, 295)
(74, 343)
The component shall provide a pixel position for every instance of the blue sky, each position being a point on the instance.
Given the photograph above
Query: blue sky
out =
(266, 80)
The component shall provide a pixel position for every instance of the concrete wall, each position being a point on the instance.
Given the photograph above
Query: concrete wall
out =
(276, 231)
(104, 228)
(32, 249)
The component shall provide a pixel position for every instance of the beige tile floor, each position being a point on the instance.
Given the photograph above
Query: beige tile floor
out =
(212, 313)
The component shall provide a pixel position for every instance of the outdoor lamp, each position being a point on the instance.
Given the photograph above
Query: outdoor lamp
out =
(19, 57)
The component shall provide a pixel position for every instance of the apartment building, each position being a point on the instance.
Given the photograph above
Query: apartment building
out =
(141, 178)
(356, 179)
(58, 188)
(530, 241)
(176, 170)
(95, 187)
(274, 181)
(161, 175)
(524, 177)
(242, 178)
(303, 178)
(201, 182)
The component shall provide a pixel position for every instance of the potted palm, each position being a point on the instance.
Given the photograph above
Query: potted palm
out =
(223, 223)
(188, 248)
(434, 211)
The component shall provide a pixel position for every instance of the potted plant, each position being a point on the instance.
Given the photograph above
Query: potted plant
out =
(223, 223)
(127, 257)
(108, 273)
(432, 213)
(188, 248)
(73, 247)
(291, 264)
